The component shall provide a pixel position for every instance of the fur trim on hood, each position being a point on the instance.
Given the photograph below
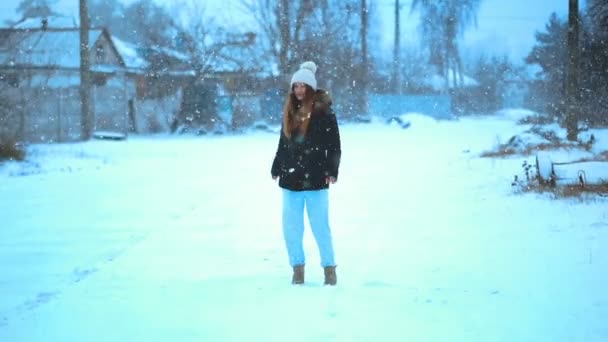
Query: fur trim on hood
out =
(322, 100)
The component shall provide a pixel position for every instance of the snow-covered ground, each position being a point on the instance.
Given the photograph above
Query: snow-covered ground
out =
(179, 239)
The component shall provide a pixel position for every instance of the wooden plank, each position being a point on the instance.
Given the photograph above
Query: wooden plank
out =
(582, 173)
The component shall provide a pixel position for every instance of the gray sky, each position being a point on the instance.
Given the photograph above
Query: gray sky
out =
(504, 27)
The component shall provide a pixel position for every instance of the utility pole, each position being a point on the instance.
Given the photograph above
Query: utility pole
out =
(396, 50)
(85, 74)
(364, 58)
(572, 70)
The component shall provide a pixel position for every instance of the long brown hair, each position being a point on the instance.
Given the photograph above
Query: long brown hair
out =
(291, 109)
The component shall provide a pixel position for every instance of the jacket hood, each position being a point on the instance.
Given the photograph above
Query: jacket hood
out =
(322, 100)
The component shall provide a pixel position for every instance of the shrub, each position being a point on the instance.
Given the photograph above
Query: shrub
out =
(11, 150)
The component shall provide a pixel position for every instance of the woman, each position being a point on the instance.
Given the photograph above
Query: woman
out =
(306, 163)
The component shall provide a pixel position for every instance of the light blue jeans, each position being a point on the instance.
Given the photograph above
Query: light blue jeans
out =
(317, 207)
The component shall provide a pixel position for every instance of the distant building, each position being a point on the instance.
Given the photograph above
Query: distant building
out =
(40, 72)
(135, 89)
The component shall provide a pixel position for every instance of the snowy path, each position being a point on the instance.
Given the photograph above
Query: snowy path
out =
(156, 240)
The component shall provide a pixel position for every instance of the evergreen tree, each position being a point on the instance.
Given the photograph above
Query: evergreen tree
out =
(550, 53)
(595, 63)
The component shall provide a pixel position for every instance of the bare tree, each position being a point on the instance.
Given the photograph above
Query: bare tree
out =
(207, 43)
(281, 36)
(149, 24)
(273, 19)
(36, 9)
(284, 34)
(195, 36)
(142, 22)
(442, 23)
(110, 14)
(328, 32)
(211, 50)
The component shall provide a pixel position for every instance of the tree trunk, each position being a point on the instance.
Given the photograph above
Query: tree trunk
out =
(364, 60)
(396, 50)
(445, 66)
(458, 82)
(305, 9)
(85, 75)
(572, 84)
(285, 33)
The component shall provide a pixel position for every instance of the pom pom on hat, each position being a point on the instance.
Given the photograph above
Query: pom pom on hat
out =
(310, 65)
(306, 74)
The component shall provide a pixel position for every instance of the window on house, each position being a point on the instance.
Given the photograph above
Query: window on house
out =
(100, 79)
(100, 53)
(11, 78)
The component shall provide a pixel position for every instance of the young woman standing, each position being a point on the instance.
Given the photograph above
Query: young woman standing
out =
(306, 163)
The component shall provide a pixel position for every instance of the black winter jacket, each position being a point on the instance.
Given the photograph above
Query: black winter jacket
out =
(304, 162)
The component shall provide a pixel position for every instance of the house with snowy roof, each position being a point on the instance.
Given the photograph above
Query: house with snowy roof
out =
(40, 74)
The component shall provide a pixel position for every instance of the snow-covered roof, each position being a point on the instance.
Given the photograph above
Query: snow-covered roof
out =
(43, 48)
(129, 54)
(179, 73)
(107, 68)
(171, 53)
(236, 58)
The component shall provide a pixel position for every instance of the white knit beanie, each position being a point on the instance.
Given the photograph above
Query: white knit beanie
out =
(306, 74)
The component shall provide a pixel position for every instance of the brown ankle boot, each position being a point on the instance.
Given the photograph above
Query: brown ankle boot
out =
(330, 275)
(298, 275)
